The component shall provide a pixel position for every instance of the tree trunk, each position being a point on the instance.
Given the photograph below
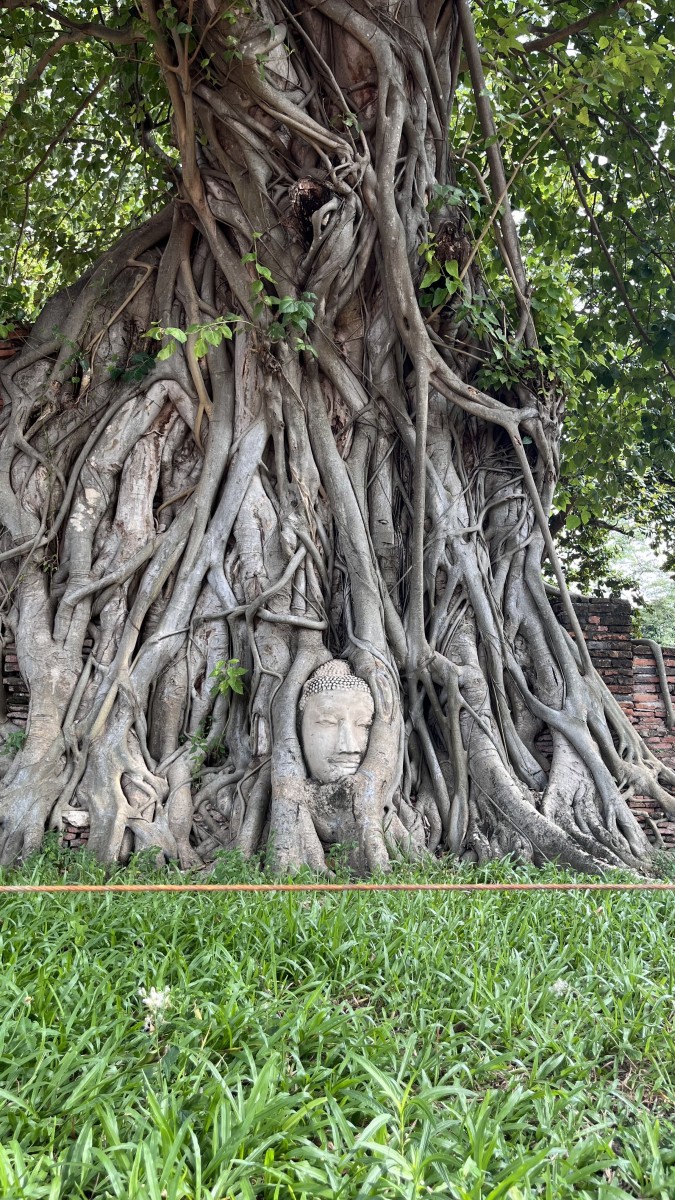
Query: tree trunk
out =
(312, 474)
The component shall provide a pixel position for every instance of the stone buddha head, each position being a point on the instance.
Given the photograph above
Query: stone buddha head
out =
(336, 709)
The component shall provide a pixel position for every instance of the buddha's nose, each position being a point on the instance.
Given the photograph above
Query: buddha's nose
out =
(347, 741)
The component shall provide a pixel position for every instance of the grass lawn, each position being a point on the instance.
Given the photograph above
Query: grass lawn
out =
(464, 1046)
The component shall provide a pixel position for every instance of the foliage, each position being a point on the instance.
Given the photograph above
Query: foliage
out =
(228, 676)
(139, 365)
(657, 621)
(12, 310)
(290, 322)
(208, 334)
(205, 749)
(635, 560)
(336, 1046)
(13, 742)
(585, 124)
(291, 316)
(441, 279)
(86, 147)
(198, 752)
(593, 566)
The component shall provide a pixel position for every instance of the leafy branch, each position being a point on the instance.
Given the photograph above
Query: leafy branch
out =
(292, 316)
(212, 333)
(290, 321)
(228, 676)
(440, 280)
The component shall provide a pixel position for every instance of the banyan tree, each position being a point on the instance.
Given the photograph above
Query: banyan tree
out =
(259, 504)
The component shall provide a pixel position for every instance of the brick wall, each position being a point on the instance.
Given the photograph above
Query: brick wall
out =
(607, 628)
(630, 672)
(649, 712)
(648, 715)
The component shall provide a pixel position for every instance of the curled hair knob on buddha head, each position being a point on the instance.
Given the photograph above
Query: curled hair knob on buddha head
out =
(335, 675)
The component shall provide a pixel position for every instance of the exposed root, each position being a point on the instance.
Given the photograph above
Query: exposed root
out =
(305, 489)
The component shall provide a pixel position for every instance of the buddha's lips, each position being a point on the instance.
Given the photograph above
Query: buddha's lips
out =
(346, 762)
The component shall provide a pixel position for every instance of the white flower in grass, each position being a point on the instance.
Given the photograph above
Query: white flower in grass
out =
(560, 987)
(156, 1001)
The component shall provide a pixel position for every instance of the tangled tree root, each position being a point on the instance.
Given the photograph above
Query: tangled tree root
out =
(301, 489)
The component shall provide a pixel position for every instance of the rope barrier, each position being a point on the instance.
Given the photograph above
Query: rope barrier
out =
(58, 888)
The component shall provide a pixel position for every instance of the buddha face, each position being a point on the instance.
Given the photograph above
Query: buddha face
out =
(335, 730)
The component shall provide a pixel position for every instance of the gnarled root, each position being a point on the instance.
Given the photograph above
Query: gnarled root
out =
(326, 480)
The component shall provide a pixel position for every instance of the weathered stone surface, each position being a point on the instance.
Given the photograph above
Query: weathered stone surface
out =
(78, 818)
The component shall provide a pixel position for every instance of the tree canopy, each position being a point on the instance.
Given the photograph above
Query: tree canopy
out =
(583, 93)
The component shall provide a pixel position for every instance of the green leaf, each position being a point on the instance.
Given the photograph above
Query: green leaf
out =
(431, 275)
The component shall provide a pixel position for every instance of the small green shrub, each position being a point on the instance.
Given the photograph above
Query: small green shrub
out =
(13, 742)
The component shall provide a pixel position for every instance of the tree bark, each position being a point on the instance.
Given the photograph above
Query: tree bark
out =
(320, 481)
